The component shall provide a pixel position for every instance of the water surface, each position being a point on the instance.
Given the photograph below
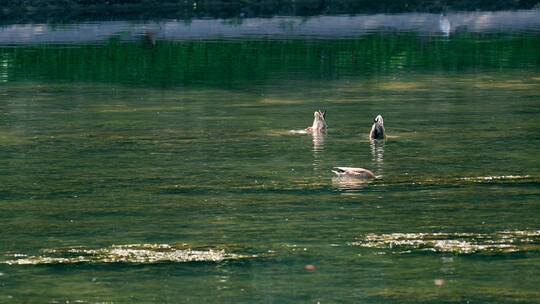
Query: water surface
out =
(163, 170)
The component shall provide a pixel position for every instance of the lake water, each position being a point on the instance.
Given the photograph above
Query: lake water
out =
(154, 162)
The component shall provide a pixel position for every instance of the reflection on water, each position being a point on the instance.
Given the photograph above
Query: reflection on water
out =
(318, 147)
(444, 25)
(349, 184)
(318, 141)
(148, 40)
(377, 156)
(276, 27)
(4, 67)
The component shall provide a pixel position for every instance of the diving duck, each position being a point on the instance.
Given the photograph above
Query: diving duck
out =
(377, 130)
(359, 173)
(319, 123)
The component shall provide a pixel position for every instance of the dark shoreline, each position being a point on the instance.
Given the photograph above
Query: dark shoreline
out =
(60, 11)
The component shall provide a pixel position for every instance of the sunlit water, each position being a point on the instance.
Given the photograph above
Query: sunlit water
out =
(166, 171)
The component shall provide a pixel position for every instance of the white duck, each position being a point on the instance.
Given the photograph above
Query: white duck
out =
(319, 123)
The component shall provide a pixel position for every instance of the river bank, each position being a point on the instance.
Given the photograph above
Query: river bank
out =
(59, 11)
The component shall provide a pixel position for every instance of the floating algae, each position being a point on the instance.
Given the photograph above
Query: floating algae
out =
(277, 101)
(459, 243)
(132, 254)
(401, 86)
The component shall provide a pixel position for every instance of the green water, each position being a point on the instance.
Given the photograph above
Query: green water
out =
(187, 144)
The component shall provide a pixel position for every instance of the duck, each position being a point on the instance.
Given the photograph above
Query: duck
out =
(319, 123)
(377, 130)
(352, 172)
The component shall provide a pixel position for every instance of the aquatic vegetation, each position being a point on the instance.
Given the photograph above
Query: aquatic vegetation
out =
(507, 85)
(400, 86)
(494, 178)
(132, 254)
(278, 101)
(129, 109)
(11, 138)
(459, 243)
(254, 60)
(422, 293)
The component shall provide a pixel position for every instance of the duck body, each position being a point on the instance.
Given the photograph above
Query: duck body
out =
(353, 172)
(319, 123)
(377, 130)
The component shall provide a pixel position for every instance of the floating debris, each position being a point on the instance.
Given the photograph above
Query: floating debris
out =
(132, 253)
(460, 243)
